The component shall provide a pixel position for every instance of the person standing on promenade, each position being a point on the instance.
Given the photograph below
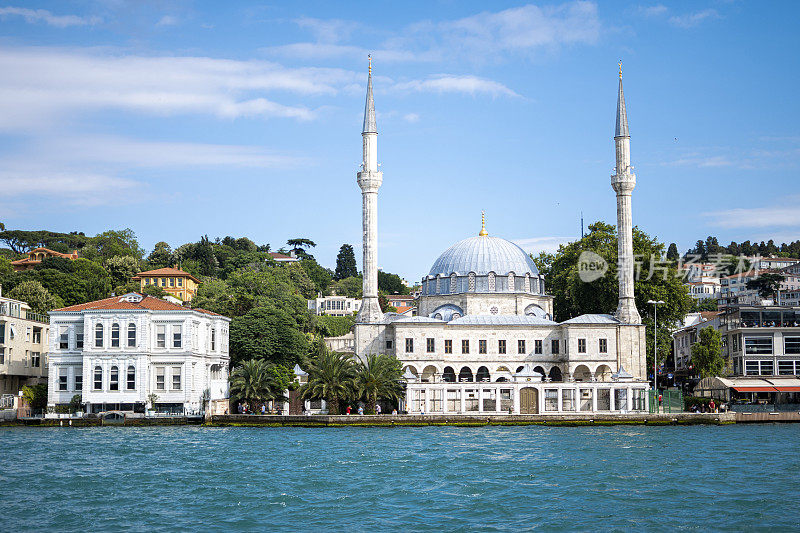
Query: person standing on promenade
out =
(377, 409)
(348, 410)
(361, 409)
(712, 406)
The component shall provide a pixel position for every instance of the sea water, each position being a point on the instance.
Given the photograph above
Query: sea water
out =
(740, 477)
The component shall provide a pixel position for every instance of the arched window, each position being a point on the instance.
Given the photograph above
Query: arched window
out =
(98, 378)
(98, 336)
(113, 382)
(131, 335)
(115, 335)
(131, 381)
(471, 281)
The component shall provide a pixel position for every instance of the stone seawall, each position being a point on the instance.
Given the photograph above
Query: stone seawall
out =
(468, 420)
(779, 416)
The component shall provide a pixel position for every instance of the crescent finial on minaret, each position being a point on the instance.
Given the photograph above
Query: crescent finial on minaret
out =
(620, 68)
(369, 58)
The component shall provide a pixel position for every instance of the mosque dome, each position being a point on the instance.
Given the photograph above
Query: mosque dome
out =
(484, 254)
(483, 264)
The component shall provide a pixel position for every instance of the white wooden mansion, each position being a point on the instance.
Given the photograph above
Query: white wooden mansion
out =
(118, 351)
(484, 340)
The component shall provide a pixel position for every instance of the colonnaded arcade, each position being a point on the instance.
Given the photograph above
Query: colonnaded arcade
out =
(484, 339)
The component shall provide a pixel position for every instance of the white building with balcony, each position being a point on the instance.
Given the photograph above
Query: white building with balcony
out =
(23, 346)
(119, 351)
(334, 305)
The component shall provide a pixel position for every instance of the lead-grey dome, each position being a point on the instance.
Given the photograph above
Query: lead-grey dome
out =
(484, 254)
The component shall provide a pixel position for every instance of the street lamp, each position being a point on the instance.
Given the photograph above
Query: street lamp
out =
(655, 343)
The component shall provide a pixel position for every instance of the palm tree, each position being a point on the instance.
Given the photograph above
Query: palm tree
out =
(252, 382)
(330, 377)
(378, 377)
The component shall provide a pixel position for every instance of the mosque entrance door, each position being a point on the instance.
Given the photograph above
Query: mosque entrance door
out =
(529, 401)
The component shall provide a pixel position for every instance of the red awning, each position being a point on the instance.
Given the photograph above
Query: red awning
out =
(756, 389)
(788, 389)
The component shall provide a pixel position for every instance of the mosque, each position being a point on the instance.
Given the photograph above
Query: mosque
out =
(484, 340)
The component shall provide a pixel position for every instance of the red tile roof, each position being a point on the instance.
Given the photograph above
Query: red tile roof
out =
(119, 302)
(166, 272)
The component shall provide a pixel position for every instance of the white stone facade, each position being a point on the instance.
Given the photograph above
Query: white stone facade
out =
(118, 352)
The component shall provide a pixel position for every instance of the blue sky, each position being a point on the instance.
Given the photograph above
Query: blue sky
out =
(190, 118)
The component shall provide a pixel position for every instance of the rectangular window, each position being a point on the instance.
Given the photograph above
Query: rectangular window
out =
(163, 282)
(586, 400)
(180, 282)
(409, 345)
(521, 346)
(603, 346)
(501, 346)
(751, 368)
(454, 400)
(115, 336)
(63, 338)
(388, 345)
(79, 340)
(161, 336)
(2, 356)
(160, 377)
(551, 399)
(554, 346)
(213, 339)
(176, 378)
(177, 340)
(567, 399)
(98, 336)
(62, 379)
(581, 345)
(758, 345)
(131, 378)
(621, 399)
(537, 346)
(603, 399)
(448, 346)
(98, 378)
(767, 368)
(36, 359)
(78, 382)
(791, 345)
(430, 345)
(435, 400)
(482, 346)
(171, 282)
(786, 368)
(131, 335)
(465, 346)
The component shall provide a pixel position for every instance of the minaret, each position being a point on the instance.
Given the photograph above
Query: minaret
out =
(370, 179)
(623, 183)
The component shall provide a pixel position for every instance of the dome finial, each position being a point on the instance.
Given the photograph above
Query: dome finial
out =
(483, 232)
(620, 68)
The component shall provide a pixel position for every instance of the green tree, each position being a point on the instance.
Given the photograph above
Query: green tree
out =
(572, 296)
(705, 304)
(34, 294)
(35, 395)
(161, 256)
(334, 326)
(269, 334)
(330, 377)
(320, 276)
(299, 245)
(672, 252)
(113, 242)
(345, 263)
(252, 382)
(391, 283)
(378, 378)
(707, 353)
(766, 284)
(154, 290)
(350, 287)
(121, 268)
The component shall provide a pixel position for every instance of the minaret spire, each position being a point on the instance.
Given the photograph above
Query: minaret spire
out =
(622, 115)
(623, 182)
(370, 180)
(370, 126)
(483, 232)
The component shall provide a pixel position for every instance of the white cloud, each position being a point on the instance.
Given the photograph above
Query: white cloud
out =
(132, 152)
(535, 245)
(33, 16)
(411, 117)
(49, 83)
(167, 20)
(702, 161)
(78, 188)
(443, 83)
(756, 217)
(693, 19)
(487, 35)
(653, 11)
(327, 30)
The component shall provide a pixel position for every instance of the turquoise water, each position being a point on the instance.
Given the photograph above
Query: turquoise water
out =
(437, 478)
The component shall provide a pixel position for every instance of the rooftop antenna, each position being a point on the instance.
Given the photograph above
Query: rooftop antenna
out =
(582, 234)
